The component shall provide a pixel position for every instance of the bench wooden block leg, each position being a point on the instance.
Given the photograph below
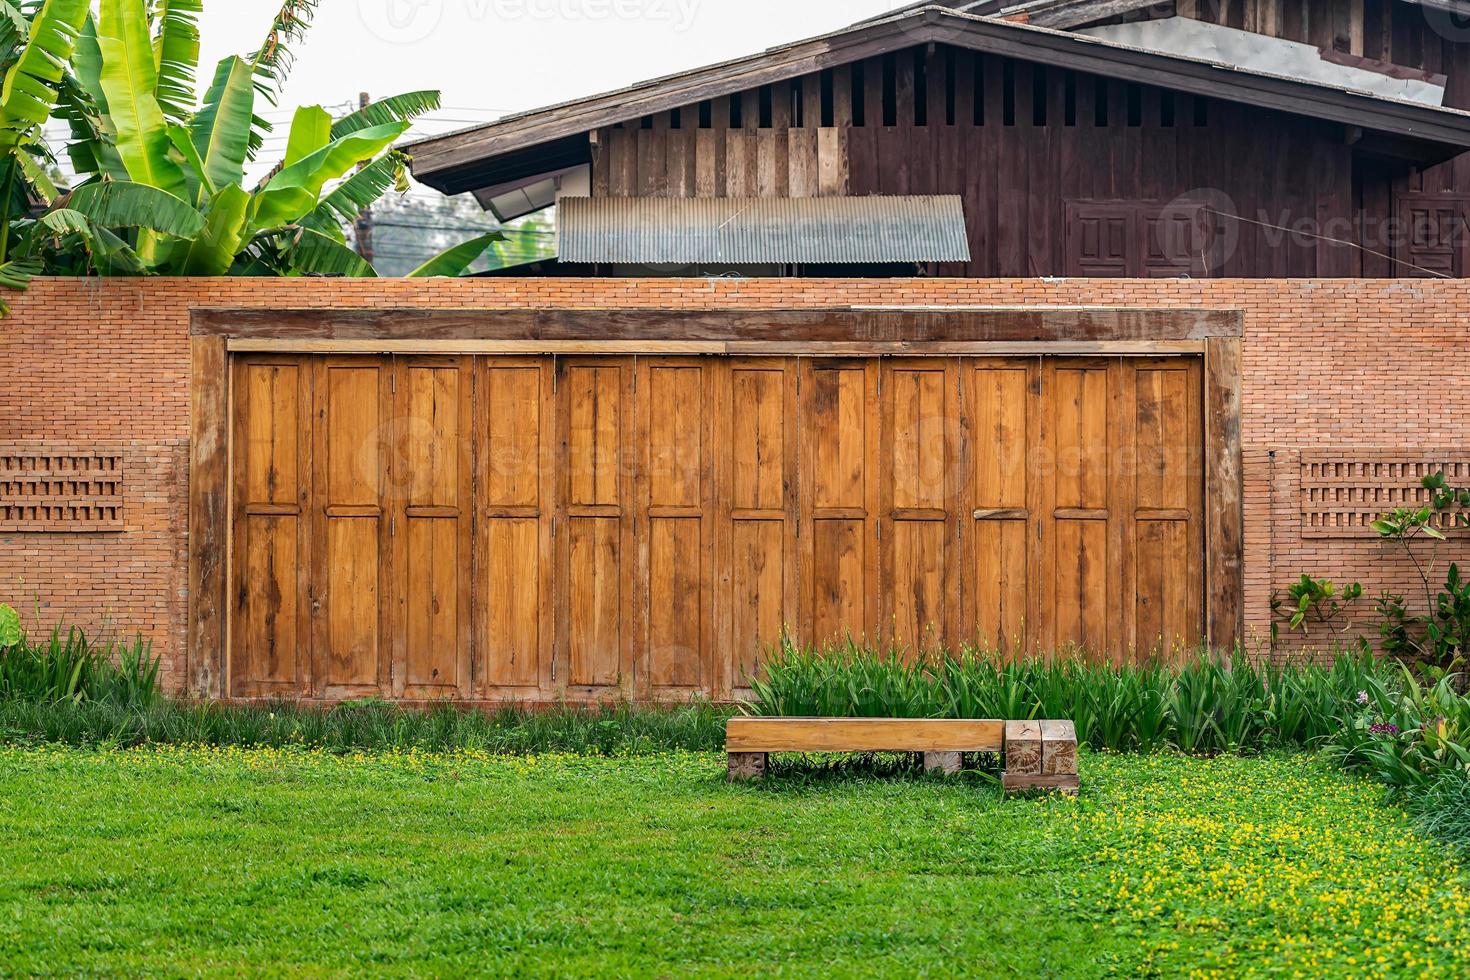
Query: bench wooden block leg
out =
(949, 763)
(1023, 747)
(1041, 756)
(1058, 748)
(745, 766)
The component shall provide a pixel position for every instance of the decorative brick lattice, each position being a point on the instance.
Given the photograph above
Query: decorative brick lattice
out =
(1342, 494)
(60, 491)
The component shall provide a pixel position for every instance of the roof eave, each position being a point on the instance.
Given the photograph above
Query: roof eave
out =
(435, 159)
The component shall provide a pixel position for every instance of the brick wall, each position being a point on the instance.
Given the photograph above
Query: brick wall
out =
(1341, 365)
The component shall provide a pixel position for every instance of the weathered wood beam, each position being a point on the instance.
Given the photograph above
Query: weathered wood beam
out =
(207, 532)
(862, 329)
(1066, 14)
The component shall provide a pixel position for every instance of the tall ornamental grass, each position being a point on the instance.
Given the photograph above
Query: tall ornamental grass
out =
(68, 667)
(1207, 704)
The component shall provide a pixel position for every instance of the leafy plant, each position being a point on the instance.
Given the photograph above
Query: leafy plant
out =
(1315, 603)
(164, 189)
(10, 631)
(69, 667)
(1438, 637)
(1406, 734)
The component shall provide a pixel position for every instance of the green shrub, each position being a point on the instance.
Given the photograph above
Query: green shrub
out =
(70, 667)
(1207, 704)
(1406, 734)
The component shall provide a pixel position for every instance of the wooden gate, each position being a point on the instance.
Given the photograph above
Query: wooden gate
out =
(523, 527)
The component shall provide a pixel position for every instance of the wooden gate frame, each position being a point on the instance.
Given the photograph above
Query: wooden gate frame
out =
(1214, 335)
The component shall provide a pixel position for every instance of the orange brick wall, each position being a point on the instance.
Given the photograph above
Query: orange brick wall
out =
(1329, 364)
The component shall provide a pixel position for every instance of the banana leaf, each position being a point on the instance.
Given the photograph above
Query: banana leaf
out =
(396, 108)
(195, 173)
(294, 192)
(314, 253)
(84, 105)
(120, 204)
(37, 176)
(129, 80)
(457, 260)
(350, 198)
(221, 131)
(213, 251)
(176, 55)
(29, 92)
(311, 130)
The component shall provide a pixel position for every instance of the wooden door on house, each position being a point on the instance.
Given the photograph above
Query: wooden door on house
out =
(517, 527)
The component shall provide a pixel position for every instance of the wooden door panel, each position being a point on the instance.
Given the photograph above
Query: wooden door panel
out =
(1080, 585)
(676, 604)
(1080, 510)
(1003, 415)
(919, 594)
(432, 634)
(517, 501)
(515, 641)
(920, 450)
(675, 495)
(1167, 441)
(839, 598)
(758, 580)
(515, 527)
(595, 594)
(840, 429)
(351, 534)
(270, 629)
(1002, 585)
(1167, 603)
(757, 421)
(430, 474)
(594, 591)
(596, 438)
(271, 639)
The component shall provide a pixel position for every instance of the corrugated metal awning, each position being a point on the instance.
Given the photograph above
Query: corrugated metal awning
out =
(760, 231)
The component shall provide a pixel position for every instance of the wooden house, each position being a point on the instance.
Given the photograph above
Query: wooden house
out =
(1103, 139)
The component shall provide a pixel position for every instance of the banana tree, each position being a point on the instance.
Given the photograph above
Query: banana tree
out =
(165, 190)
(36, 48)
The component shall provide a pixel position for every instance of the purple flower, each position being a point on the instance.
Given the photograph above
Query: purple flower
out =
(1363, 698)
(1387, 728)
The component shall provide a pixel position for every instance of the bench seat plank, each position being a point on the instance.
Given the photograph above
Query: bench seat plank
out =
(863, 735)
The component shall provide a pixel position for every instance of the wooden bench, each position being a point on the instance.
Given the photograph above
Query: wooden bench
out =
(1038, 754)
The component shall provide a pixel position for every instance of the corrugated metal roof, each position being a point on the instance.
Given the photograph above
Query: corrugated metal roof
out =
(764, 230)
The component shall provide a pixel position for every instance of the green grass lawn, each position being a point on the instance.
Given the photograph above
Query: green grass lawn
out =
(179, 861)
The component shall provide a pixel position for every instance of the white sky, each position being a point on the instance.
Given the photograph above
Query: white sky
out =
(490, 57)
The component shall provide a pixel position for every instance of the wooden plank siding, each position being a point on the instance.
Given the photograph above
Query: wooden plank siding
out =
(1039, 153)
(468, 527)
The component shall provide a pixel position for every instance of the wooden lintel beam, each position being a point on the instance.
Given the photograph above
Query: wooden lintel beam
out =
(858, 329)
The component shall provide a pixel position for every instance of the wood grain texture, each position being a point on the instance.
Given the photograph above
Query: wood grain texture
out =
(209, 521)
(863, 735)
(1225, 529)
(1058, 748)
(1023, 747)
(863, 328)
